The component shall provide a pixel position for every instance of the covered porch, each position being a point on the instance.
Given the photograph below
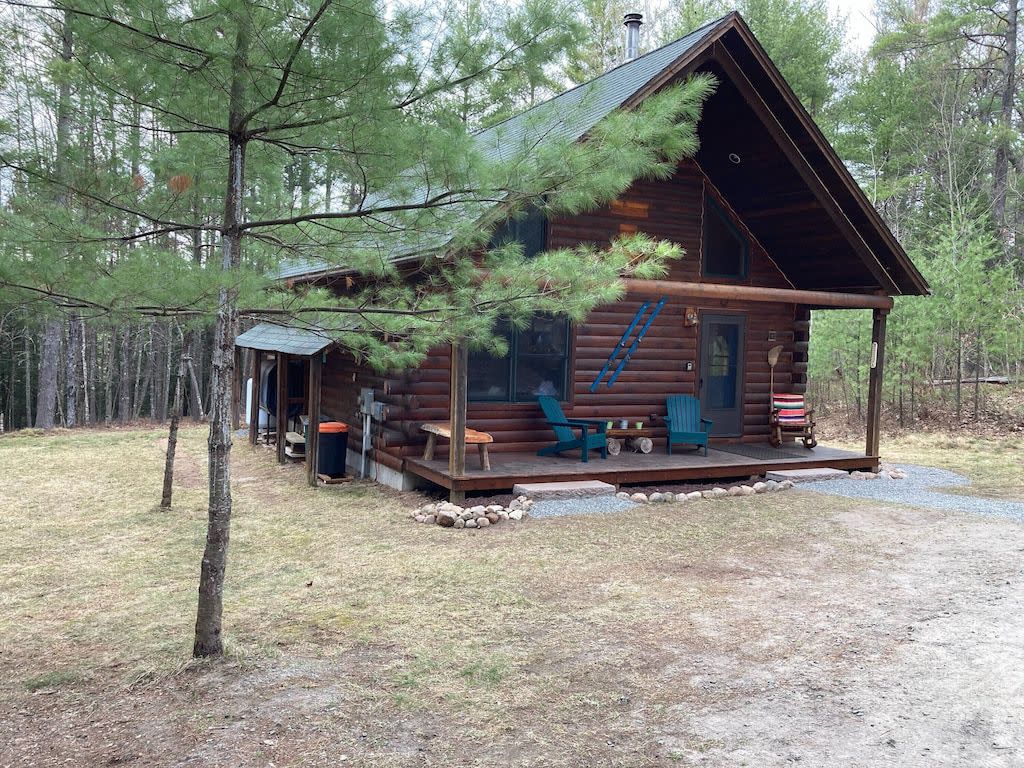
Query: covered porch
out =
(636, 468)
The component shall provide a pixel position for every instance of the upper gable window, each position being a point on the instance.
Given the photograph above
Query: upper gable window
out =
(724, 250)
(529, 230)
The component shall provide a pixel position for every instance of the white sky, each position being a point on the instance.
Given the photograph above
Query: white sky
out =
(859, 18)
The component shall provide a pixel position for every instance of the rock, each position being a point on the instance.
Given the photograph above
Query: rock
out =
(747, 490)
(492, 517)
(785, 485)
(760, 487)
(640, 498)
(482, 522)
(479, 509)
(694, 496)
(735, 491)
(514, 504)
(515, 514)
(718, 492)
(898, 474)
(426, 509)
(668, 497)
(459, 523)
(502, 514)
(471, 523)
(707, 494)
(420, 518)
(528, 503)
(773, 485)
(430, 519)
(656, 497)
(446, 518)
(521, 499)
(622, 495)
(449, 507)
(495, 508)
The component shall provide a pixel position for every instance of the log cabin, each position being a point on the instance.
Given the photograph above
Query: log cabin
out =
(773, 226)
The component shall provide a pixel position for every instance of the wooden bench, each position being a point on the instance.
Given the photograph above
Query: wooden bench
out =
(480, 439)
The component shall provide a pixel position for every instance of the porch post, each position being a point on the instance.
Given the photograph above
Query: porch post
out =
(313, 402)
(238, 396)
(282, 404)
(254, 415)
(457, 415)
(878, 317)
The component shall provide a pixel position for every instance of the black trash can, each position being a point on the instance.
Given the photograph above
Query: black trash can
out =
(333, 448)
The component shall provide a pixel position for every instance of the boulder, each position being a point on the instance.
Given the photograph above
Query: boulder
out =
(747, 490)
(420, 518)
(785, 485)
(514, 504)
(760, 487)
(668, 497)
(622, 495)
(735, 491)
(656, 497)
(694, 496)
(446, 518)
(471, 523)
(494, 508)
(482, 522)
(515, 514)
(492, 517)
(430, 519)
(459, 523)
(639, 498)
(718, 492)
(773, 485)
(503, 515)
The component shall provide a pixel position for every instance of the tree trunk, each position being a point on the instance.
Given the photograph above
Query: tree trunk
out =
(1000, 171)
(172, 432)
(46, 398)
(208, 637)
(124, 399)
(71, 372)
(28, 378)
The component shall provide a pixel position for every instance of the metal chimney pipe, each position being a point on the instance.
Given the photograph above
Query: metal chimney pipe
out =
(632, 22)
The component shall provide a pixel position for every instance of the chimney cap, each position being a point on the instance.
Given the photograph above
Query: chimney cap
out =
(632, 22)
(633, 18)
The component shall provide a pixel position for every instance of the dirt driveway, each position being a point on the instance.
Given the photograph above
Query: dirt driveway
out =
(793, 629)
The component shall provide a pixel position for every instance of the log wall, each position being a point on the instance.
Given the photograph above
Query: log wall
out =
(670, 209)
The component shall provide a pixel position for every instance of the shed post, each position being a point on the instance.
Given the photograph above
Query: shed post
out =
(878, 317)
(254, 414)
(282, 404)
(457, 416)
(237, 394)
(313, 401)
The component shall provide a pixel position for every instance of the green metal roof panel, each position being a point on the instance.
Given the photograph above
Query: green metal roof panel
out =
(569, 115)
(280, 338)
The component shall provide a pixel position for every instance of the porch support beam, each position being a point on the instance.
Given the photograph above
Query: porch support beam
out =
(313, 401)
(282, 404)
(254, 414)
(878, 318)
(457, 415)
(723, 291)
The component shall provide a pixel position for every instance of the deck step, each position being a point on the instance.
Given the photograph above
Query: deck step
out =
(576, 489)
(806, 475)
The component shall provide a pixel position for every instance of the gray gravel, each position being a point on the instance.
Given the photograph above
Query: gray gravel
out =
(922, 488)
(594, 505)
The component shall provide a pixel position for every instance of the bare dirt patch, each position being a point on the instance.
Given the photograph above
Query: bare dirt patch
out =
(769, 631)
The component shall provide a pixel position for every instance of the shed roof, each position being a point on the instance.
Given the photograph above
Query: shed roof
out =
(269, 337)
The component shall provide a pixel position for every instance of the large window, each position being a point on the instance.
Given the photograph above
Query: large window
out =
(724, 249)
(536, 364)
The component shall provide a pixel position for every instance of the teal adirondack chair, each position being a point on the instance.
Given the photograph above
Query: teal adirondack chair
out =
(684, 422)
(592, 432)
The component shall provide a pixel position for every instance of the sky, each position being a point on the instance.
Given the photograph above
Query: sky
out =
(858, 15)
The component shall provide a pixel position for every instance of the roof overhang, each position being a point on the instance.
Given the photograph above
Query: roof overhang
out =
(301, 342)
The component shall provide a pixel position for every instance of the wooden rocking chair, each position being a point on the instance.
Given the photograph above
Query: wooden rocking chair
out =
(791, 414)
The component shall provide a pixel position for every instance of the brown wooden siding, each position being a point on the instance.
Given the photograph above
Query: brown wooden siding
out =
(671, 210)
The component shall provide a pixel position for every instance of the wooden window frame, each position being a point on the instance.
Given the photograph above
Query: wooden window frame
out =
(710, 204)
(513, 370)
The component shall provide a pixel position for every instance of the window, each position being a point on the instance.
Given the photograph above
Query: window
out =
(724, 249)
(529, 229)
(536, 364)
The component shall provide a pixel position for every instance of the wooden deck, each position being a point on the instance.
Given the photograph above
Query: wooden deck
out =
(657, 467)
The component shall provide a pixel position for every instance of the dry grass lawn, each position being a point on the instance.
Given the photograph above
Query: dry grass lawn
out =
(750, 631)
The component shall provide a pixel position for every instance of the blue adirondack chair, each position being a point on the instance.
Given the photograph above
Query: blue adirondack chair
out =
(684, 422)
(592, 432)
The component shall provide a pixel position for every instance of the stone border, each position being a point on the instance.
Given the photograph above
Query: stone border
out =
(767, 486)
(449, 515)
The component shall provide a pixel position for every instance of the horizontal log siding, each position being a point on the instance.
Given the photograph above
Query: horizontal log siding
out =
(671, 210)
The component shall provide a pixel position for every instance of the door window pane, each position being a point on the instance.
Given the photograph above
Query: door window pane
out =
(723, 346)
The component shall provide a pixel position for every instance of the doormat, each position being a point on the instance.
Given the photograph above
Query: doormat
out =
(764, 452)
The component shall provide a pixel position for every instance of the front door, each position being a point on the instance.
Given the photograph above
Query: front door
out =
(721, 373)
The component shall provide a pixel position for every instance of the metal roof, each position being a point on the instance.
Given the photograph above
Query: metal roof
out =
(281, 338)
(567, 116)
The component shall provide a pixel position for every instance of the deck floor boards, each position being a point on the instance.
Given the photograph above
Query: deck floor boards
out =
(627, 467)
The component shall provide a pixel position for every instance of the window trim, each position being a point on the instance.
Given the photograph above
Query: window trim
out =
(711, 204)
(513, 369)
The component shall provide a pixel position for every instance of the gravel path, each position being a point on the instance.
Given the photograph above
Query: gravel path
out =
(590, 505)
(922, 488)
